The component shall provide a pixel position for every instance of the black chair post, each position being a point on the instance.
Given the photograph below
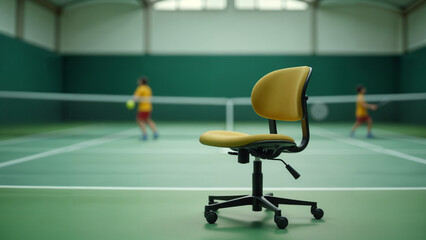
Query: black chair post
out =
(272, 126)
(257, 186)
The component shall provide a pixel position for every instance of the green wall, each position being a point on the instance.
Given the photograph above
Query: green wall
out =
(413, 71)
(412, 80)
(218, 76)
(24, 67)
(224, 76)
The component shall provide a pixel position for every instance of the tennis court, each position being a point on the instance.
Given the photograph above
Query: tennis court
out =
(99, 181)
(108, 110)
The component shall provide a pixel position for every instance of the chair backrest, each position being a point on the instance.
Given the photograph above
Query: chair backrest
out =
(279, 94)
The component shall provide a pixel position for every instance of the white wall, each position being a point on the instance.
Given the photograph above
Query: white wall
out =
(102, 28)
(358, 30)
(39, 25)
(416, 28)
(231, 32)
(114, 28)
(7, 17)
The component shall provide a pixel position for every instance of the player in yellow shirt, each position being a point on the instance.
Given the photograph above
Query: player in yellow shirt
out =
(143, 93)
(361, 112)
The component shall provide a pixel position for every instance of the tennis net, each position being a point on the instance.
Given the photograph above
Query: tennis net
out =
(29, 107)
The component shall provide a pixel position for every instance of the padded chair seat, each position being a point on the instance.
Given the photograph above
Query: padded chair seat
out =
(237, 139)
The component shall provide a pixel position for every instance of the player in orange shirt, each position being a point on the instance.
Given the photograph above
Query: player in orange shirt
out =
(143, 93)
(361, 112)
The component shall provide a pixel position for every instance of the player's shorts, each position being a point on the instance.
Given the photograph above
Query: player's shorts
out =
(144, 115)
(362, 119)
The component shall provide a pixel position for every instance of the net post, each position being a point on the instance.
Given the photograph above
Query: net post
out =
(229, 114)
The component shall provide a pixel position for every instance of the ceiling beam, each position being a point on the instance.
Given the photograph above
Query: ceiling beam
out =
(73, 4)
(390, 4)
(377, 3)
(152, 2)
(19, 19)
(52, 7)
(149, 2)
(144, 3)
(414, 6)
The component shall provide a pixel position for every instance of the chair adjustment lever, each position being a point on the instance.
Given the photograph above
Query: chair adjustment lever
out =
(290, 169)
(233, 153)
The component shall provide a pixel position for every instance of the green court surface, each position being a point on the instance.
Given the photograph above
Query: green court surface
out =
(99, 181)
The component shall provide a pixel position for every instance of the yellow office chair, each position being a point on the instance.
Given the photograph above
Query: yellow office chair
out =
(279, 95)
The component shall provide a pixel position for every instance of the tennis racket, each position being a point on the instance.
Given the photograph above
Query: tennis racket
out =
(384, 102)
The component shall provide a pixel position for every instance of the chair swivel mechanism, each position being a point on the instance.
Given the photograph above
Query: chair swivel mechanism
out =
(279, 95)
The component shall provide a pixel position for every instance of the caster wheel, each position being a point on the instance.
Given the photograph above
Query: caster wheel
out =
(313, 209)
(269, 194)
(211, 217)
(318, 213)
(281, 222)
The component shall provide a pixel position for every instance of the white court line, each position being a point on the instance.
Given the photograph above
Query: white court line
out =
(213, 188)
(73, 147)
(369, 146)
(42, 135)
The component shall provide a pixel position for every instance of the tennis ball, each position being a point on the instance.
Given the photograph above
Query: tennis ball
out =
(130, 104)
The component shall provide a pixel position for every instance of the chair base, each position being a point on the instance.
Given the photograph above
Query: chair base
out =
(258, 201)
(267, 201)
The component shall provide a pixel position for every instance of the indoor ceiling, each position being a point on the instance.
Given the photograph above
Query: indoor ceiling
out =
(62, 3)
(398, 5)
